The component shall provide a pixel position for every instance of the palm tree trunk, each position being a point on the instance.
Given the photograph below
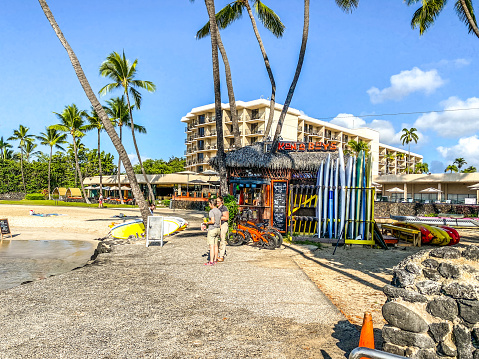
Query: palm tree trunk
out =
(210, 7)
(470, 20)
(150, 190)
(101, 113)
(80, 177)
(231, 95)
(21, 169)
(119, 167)
(99, 163)
(268, 69)
(49, 173)
(302, 51)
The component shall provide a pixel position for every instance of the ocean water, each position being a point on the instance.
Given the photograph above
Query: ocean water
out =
(22, 261)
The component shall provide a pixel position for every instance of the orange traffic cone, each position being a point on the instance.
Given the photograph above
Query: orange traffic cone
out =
(366, 340)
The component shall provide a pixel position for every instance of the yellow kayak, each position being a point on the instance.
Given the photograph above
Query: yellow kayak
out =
(441, 238)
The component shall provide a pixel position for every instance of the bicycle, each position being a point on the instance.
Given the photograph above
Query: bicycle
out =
(244, 233)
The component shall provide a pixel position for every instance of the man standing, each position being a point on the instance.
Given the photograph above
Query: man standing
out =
(225, 216)
(213, 234)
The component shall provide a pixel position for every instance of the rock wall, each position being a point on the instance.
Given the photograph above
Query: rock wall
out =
(12, 196)
(385, 209)
(195, 205)
(432, 309)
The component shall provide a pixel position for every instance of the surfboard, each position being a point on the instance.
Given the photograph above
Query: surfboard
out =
(352, 214)
(336, 199)
(359, 175)
(326, 194)
(369, 197)
(137, 228)
(342, 192)
(363, 198)
(319, 202)
(347, 196)
(331, 200)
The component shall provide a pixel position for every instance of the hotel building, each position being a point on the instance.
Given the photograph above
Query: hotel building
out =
(201, 144)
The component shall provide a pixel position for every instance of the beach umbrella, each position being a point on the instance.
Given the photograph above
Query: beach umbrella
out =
(198, 181)
(474, 186)
(395, 190)
(187, 173)
(431, 190)
(209, 173)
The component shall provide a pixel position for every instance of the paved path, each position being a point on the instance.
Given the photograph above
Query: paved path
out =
(139, 302)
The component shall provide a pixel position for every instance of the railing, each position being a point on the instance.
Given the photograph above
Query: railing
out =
(300, 129)
(211, 133)
(372, 354)
(211, 147)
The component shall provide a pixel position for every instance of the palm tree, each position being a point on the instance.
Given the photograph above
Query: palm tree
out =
(122, 72)
(4, 148)
(421, 168)
(470, 169)
(21, 135)
(389, 157)
(356, 147)
(459, 162)
(52, 138)
(118, 111)
(451, 168)
(72, 121)
(30, 150)
(425, 16)
(407, 137)
(268, 18)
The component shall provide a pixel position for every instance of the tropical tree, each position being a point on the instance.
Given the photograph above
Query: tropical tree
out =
(268, 18)
(23, 137)
(425, 16)
(29, 149)
(421, 168)
(470, 169)
(4, 148)
(459, 162)
(451, 168)
(119, 114)
(355, 147)
(51, 138)
(409, 136)
(122, 72)
(72, 121)
(389, 157)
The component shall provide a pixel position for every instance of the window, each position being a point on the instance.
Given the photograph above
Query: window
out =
(201, 132)
(254, 114)
(200, 157)
(459, 198)
(200, 169)
(201, 119)
(201, 145)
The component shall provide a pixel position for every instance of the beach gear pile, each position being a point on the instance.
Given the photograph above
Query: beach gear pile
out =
(136, 228)
(439, 235)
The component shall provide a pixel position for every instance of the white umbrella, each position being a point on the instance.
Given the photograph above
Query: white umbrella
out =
(395, 190)
(431, 190)
(209, 173)
(474, 186)
(377, 185)
(187, 173)
(198, 181)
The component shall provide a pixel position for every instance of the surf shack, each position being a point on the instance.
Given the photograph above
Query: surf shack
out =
(293, 190)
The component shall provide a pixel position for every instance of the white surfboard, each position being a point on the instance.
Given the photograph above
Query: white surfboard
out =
(326, 193)
(342, 202)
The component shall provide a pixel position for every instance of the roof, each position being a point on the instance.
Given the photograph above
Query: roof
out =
(60, 190)
(74, 192)
(471, 178)
(254, 157)
(156, 179)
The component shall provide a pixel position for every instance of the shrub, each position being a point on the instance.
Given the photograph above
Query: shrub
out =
(34, 196)
(166, 202)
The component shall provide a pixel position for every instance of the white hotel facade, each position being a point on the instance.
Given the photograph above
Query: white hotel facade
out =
(200, 129)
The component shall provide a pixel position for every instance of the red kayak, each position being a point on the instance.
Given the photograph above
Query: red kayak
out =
(455, 237)
(426, 235)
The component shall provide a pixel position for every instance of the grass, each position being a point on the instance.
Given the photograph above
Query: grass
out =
(287, 239)
(25, 202)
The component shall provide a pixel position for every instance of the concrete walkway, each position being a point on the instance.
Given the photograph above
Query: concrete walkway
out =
(139, 302)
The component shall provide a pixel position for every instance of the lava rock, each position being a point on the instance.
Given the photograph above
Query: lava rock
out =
(439, 331)
(413, 268)
(476, 354)
(448, 270)
(431, 274)
(393, 349)
(446, 253)
(424, 354)
(447, 349)
(472, 253)
(406, 339)
(462, 339)
(403, 318)
(408, 295)
(402, 278)
(475, 334)
(443, 307)
(461, 290)
(469, 311)
(430, 263)
(428, 287)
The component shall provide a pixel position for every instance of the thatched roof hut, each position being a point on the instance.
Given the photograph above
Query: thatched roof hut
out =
(254, 156)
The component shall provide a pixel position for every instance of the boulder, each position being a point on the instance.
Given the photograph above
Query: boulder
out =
(447, 348)
(462, 339)
(476, 354)
(443, 307)
(439, 331)
(448, 270)
(430, 263)
(394, 349)
(403, 318)
(446, 253)
(428, 287)
(407, 339)
(461, 290)
(424, 354)
(431, 274)
(469, 310)
(408, 295)
(413, 268)
(403, 278)
(471, 253)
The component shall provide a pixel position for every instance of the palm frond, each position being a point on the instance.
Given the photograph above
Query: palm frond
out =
(425, 16)
(269, 19)
(225, 17)
(147, 85)
(108, 88)
(347, 5)
(462, 14)
(136, 96)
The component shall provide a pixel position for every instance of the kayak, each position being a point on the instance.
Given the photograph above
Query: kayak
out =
(426, 235)
(136, 227)
(455, 237)
(441, 237)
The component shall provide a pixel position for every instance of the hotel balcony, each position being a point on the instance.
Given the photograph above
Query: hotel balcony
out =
(211, 133)
(256, 118)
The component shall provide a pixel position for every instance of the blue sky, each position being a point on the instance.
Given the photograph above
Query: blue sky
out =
(369, 62)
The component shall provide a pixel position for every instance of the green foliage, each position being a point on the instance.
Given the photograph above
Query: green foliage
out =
(35, 196)
(430, 215)
(160, 166)
(166, 202)
(470, 169)
(230, 203)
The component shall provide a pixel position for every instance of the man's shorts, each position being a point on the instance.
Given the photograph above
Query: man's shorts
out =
(213, 236)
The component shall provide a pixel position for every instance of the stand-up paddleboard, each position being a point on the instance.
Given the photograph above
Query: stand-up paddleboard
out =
(331, 200)
(369, 196)
(326, 194)
(348, 196)
(363, 198)
(342, 202)
(137, 228)
(352, 214)
(336, 199)
(319, 202)
(359, 175)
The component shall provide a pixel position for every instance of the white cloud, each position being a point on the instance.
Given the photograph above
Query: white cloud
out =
(405, 83)
(347, 120)
(134, 158)
(455, 121)
(458, 63)
(467, 147)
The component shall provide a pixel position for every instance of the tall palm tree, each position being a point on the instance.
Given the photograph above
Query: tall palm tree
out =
(459, 162)
(123, 72)
(51, 138)
(268, 18)
(21, 135)
(452, 168)
(118, 111)
(407, 137)
(140, 200)
(4, 148)
(425, 16)
(470, 169)
(29, 149)
(72, 121)
(358, 146)
(389, 157)
(421, 168)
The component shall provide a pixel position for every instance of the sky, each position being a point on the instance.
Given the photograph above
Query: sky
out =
(367, 63)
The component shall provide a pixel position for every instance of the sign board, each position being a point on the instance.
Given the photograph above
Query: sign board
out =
(154, 230)
(280, 201)
(4, 227)
(307, 146)
(469, 201)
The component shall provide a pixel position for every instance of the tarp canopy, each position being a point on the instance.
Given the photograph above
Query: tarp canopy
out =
(59, 191)
(73, 192)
